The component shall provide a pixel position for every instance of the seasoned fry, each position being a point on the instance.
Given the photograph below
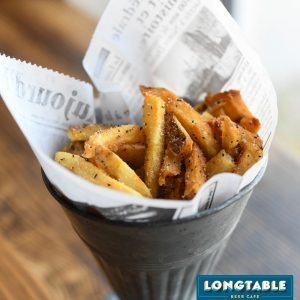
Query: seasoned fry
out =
(220, 163)
(228, 134)
(248, 137)
(207, 116)
(133, 154)
(200, 107)
(251, 153)
(175, 151)
(218, 110)
(195, 174)
(83, 132)
(154, 122)
(74, 148)
(113, 137)
(179, 186)
(140, 172)
(171, 166)
(173, 188)
(178, 139)
(251, 124)
(191, 120)
(87, 170)
(231, 104)
(114, 166)
(195, 125)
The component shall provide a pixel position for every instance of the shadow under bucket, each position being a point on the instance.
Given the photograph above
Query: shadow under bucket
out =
(159, 260)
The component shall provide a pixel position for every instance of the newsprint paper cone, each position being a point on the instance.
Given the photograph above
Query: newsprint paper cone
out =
(190, 47)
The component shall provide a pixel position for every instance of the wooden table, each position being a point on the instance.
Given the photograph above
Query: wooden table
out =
(40, 255)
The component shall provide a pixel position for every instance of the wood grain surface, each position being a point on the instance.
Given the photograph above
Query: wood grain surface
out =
(40, 255)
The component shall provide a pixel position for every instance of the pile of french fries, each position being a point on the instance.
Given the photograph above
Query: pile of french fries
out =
(174, 152)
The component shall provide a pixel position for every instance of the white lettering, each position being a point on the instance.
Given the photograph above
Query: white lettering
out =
(206, 286)
(248, 285)
(274, 286)
(265, 285)
(228, 285)
(216, 285)
(256, 286)
(282, 285)
(239, 285)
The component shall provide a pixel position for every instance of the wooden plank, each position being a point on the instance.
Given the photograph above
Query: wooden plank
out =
(31, 222)
(16, 282)
(47, 33)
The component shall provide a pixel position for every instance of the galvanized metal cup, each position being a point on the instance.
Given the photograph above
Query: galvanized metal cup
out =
(157, 261)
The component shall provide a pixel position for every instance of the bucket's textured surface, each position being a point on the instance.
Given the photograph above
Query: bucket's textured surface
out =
(157, 261)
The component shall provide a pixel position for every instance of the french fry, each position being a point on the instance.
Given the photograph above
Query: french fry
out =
(195, 125)
(200, 107)
(251, 153)
(191, 120)
(232, 104)
(178, 140)
(175, 151)
(228, 133)
(87, 170)
(74, 148)
(195, 174)
(140, 172)
(207, 116)
(154, 122)
(132, 154)
(178, 189)
(251, 138)
(220, 163)
(113, 138)
(217, 111)
(251, 124)
(171, 166)
(83, 132)
(173, 188)
(114, 166)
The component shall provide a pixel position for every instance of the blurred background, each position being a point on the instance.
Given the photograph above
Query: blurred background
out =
(40, 255)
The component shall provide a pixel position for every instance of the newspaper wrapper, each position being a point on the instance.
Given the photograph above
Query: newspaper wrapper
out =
(190, 47)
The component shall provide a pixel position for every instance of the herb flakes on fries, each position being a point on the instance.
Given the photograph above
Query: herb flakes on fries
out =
(174, 152)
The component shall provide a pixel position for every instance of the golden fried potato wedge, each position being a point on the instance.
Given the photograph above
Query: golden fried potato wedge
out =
(140, 172)
(154, 123)
(251, 153)
(178, 189)
(177, 138)
(87, 170)
(221, 163)
(173, 188)
(232, 104)
(248, 137)
(195, 174)
(217, 111)
(132, 154)
(207, 116)
(228, 134)
(83, 132)
(251, 124)
(75, 147)
(191, 120)
(171, 166)
(200, 107)
(195, 125)
(114, 166)
(113, 137)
